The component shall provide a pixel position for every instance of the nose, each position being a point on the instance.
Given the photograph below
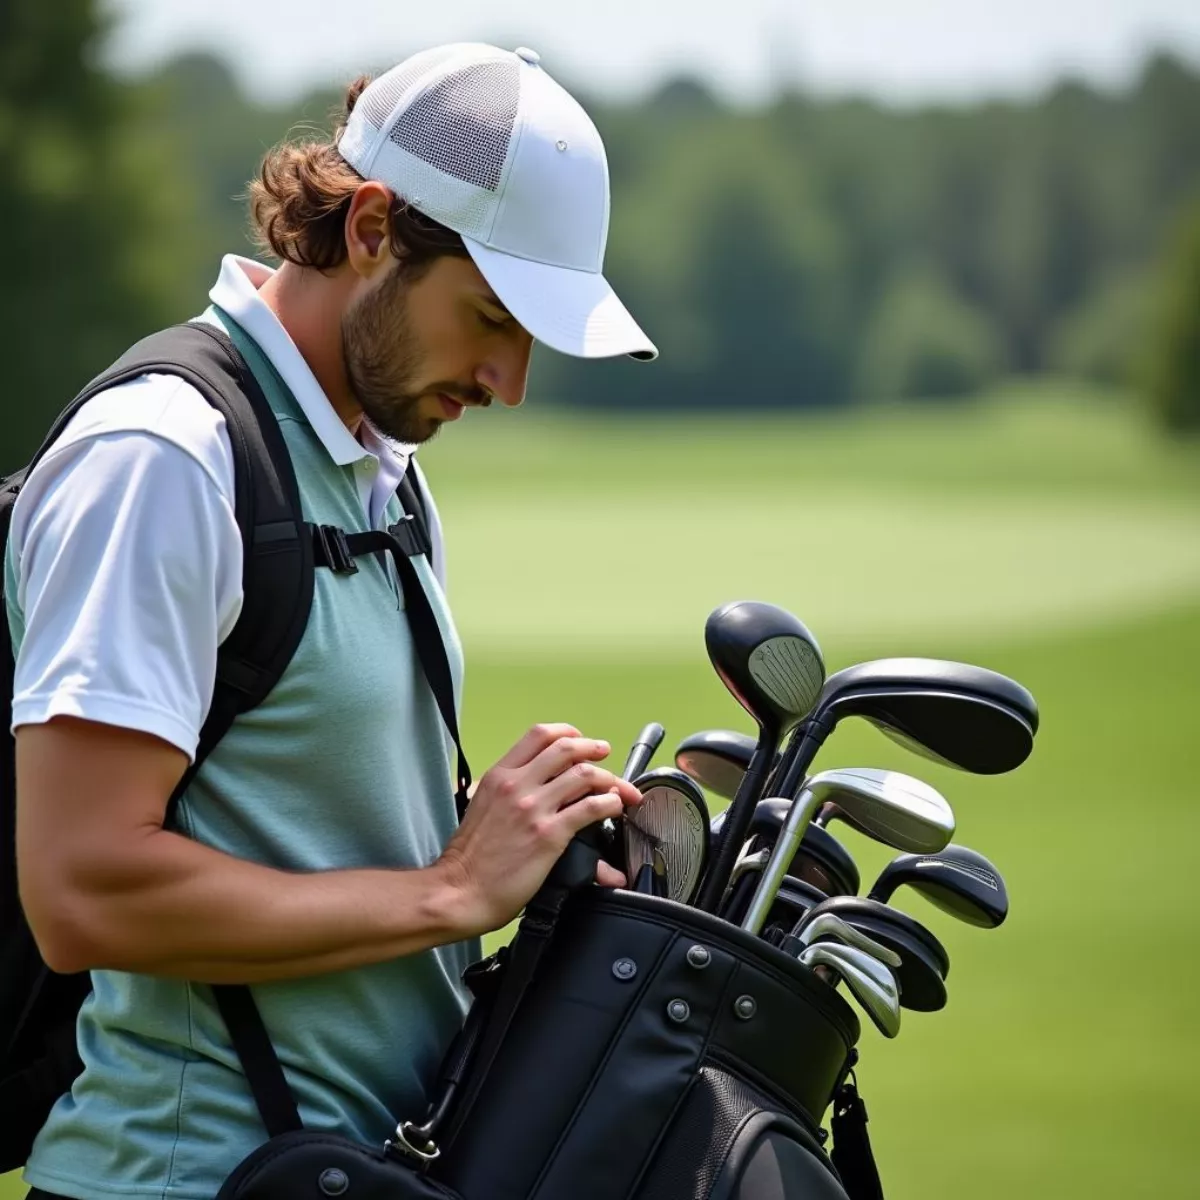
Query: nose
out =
(505, 372)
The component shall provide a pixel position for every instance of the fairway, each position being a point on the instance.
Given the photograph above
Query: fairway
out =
(1050, 537)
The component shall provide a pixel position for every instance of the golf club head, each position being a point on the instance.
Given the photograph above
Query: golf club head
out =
(826, 925)
(671, 823)
(870, 982)
(954, 713)
(821, 860)
(958, 880)
(924, 963)
(794, 898)
(889, 806)
(716, 759)
(768, 660)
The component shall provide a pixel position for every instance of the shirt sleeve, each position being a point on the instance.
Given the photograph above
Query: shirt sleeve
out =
(128, 567)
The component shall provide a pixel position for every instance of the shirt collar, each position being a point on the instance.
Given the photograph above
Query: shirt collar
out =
(236, 291)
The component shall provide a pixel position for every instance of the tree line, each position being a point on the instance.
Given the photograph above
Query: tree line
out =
(809, 253)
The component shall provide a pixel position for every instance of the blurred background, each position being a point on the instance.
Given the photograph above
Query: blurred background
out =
(925, 277)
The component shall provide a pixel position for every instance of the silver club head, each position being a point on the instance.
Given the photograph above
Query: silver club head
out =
(887, 805)
(747, 863)
(829, 925)
(869, 981)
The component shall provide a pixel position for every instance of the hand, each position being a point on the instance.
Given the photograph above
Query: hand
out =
(525, 811)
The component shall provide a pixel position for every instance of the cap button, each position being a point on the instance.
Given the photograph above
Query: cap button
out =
(532, 57)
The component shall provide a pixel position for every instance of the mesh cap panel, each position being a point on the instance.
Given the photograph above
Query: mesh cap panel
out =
(464, 123)
(381, 96)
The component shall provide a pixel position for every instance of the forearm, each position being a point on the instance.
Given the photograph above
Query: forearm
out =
(170, 906)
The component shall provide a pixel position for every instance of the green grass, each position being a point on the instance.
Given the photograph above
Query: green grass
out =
(1045, 534)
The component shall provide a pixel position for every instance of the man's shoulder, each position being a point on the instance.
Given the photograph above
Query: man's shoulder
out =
(153, 408)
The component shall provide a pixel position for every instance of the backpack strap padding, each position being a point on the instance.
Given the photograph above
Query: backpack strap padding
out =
(277, 566)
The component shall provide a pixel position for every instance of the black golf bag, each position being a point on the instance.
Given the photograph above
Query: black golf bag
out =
(624, 1047)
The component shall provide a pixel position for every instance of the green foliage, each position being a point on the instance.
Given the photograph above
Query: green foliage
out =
(93, 216)
(1173, 358)
(926, 343)
(1104, 337)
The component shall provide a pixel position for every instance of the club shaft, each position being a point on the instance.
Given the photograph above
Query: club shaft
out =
(790, 837)
(737, 823)
(793, 767)
(648, 741)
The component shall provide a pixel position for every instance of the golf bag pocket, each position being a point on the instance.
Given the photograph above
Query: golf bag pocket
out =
(643, 1015)
(730, 1142)
(311, 1164)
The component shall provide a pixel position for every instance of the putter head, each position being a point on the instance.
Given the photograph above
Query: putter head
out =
(954, 713)
(958, 880)
(870, 982)
(671, 825)
(716, 759)
(889, 806)
(768, 660)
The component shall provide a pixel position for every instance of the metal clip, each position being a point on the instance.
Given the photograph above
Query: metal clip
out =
(426, 1154)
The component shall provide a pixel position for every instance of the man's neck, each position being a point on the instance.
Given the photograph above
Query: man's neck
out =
(309, 306)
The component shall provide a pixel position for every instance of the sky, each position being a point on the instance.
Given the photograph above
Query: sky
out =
(902, 51)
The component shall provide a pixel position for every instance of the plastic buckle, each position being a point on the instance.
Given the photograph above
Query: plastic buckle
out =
(404, 534)
(336, 549)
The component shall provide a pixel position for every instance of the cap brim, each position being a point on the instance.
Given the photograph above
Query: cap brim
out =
(574, 312)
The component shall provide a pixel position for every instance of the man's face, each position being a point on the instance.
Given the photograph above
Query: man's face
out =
(418, 351)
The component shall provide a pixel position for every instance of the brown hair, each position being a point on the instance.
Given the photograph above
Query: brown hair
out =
(299, 202)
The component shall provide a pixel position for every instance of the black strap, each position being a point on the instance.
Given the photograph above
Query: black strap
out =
(852, 1156)
(337, 550)
(276, 1104)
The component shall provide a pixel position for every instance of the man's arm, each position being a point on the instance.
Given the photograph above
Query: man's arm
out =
(104, 886)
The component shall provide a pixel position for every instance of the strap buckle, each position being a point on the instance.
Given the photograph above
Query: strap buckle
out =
(336, 549)
(404, 533)
(424, 1153)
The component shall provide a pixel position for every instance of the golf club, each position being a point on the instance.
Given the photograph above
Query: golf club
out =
(666, 837)
(773, 667)
(826, 925)
(957, 880)
(642, 750)
(717, 759)
(954, 713)
(884, 804)
(924, 963)
(870, 982)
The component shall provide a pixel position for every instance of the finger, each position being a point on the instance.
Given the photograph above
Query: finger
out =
(586, 779)
(608, 876)
(588, 810)
(534, 743)
(563, 754)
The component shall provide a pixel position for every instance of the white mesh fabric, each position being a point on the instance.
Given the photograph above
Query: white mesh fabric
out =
(379, 100)
(458, 205)
(463, 124)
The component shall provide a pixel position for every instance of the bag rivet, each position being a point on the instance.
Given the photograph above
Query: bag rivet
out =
(624, 968)
(745, 1007)
(679, 1011)
(333, 1182)
(699, 957)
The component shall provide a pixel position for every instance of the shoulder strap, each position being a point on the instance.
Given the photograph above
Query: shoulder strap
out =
(277, 566)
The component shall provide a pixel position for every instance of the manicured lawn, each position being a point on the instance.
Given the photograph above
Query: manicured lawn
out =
(1050, 537)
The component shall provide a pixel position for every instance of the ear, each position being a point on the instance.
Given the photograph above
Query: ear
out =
(368, 229)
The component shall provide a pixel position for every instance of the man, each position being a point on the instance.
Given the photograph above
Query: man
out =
(460, 214)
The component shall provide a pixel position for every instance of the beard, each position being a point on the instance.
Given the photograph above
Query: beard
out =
(384, 363)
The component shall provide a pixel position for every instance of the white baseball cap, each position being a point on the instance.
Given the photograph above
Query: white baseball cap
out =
(483, 141)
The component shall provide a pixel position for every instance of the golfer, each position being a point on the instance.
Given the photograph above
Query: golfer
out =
(458, 216)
